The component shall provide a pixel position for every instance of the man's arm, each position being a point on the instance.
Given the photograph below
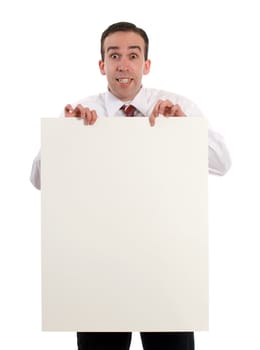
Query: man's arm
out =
(219, 160)
(89, 117)
(35, 177)
(219, 156)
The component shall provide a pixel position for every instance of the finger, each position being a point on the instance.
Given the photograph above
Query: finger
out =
(79, 111)
(68, 110)
(155, 113)
(87, 116)
(90, 117)
(177, 111)
(93, 117)
(165, 108)
(152, 117)
(151, 120)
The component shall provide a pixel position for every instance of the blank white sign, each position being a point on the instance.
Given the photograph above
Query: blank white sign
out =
(124, 225)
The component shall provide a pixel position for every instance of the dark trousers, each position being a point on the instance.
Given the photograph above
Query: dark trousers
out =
(122, 341)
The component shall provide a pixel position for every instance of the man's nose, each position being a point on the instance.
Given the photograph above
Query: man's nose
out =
(123, 65)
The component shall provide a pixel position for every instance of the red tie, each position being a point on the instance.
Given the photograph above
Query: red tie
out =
(129, 110)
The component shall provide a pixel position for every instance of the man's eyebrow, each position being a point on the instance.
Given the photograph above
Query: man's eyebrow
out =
(129, 47)
(135, 47)
(112, 48)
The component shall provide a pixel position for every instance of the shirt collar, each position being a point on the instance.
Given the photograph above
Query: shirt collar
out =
(113, 104)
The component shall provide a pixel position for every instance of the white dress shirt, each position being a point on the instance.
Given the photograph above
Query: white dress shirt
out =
(107, 105)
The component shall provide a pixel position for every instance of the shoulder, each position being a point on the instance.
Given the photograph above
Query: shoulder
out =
(92, 102)
(188, 106)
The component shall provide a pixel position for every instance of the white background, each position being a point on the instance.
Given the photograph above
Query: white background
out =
(206, 50)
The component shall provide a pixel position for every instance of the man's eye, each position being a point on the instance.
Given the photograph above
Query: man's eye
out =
(133, 56)
(114, 56)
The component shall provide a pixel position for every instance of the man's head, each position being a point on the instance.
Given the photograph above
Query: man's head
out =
(124, 27)
(124, 59)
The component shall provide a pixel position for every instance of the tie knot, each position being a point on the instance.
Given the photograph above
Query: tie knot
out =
(129, 110)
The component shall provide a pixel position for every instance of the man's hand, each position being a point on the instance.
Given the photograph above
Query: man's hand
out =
(89, 116)
(167, 109)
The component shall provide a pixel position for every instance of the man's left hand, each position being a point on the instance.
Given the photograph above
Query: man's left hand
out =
(167, 109)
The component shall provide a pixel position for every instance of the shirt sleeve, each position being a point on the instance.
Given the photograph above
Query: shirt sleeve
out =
(219, 159)
(35, 177)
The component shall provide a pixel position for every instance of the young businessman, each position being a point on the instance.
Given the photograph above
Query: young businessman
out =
(124, 61)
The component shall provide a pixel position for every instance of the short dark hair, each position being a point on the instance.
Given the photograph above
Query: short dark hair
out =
(125, 27)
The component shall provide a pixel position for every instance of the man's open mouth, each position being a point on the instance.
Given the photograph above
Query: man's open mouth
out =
(124, 80)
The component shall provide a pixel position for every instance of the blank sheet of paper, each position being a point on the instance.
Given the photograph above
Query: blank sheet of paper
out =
(124, 225)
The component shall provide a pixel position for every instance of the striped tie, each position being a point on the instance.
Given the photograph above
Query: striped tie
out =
(129, 110)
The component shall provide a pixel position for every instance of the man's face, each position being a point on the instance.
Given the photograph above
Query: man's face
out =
(124, 64)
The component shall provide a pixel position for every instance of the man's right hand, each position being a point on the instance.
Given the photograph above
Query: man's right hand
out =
(89, 116)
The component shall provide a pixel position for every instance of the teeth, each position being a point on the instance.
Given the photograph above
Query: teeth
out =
(124, 80)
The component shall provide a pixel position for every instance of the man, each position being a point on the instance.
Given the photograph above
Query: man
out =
(124, 61)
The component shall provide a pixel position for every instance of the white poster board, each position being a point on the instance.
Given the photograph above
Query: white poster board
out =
(124, 225)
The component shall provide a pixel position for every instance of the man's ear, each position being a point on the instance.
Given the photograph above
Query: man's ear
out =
(147, 66)
(102, 67)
